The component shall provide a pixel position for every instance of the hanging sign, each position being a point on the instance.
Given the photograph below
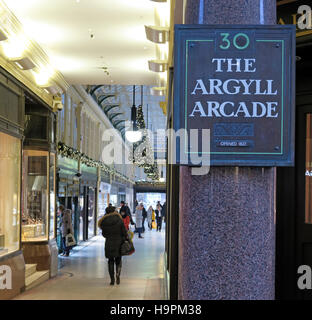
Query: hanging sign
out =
(239, 82)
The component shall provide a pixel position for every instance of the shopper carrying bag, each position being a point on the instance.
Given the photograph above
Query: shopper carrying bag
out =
(66, 230)
(114, 230)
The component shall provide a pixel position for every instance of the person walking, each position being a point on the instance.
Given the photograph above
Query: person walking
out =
(153, 219)
(139, 219)
(149, 217)
(113, 229)
(144, 215)
(158, 217)
(125, 218)
(164, 211)
(108, 208)
(66, 227)
(124, 208)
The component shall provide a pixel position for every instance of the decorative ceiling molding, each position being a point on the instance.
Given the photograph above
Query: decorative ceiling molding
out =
(11, 26)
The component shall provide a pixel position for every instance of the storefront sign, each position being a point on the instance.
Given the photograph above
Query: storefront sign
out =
(237, 81)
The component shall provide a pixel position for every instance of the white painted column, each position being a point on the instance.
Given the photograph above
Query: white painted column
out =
(64, 135)
(97, 142)
(89, 145)
(83, 132)
(71, 123)
(78, 112)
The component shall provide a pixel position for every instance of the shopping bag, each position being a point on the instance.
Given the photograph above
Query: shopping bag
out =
(154, 225)
(70, 240)
(127, 248)
(130, 234)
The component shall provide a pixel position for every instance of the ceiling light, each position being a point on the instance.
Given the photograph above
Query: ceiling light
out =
(158, 65)
(163, 14)
(163, 78)
(157, 34)
(161, 179)
(42, 77)
(158, 91)
(14, 47)
(24, 63)
(133, 136)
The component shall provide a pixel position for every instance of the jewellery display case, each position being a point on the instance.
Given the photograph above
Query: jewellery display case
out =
(35, 196)
(52, 233)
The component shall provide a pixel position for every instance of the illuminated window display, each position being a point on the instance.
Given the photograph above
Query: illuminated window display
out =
(35, 211)
(10, 157)
(52, 196)
(91, 212)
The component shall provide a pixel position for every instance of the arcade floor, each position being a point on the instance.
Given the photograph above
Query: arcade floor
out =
(84, 275)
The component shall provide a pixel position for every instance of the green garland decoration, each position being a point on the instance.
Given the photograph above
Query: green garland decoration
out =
(71, 153)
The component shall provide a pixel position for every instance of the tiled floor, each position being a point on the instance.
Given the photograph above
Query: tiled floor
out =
(84, 274)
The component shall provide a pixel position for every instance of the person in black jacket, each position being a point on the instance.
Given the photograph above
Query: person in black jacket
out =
(164, 211)
(144, 214)
(113, 229)
(127, 212)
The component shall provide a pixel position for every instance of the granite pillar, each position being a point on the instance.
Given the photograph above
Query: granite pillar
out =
(227, 218)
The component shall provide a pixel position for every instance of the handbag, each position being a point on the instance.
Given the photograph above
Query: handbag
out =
(70, 240)
(127, 248)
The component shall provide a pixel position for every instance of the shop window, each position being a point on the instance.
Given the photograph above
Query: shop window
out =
(52, 196)
(36, 127)
(91, 212)
(10, 157)
(35, 196)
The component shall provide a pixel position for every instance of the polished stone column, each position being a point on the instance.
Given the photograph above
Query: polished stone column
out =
(227, 218)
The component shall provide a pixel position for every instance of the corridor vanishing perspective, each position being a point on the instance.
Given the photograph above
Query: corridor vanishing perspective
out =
(184, 125)
(84, 275)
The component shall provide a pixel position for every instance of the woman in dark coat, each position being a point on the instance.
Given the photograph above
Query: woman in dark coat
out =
(113, 229)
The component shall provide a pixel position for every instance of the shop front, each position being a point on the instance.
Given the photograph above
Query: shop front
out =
(88, 202)
(38, 187)
(294, 185)
(68, 187)
(11, 133)
(114, 195)
(104, 198)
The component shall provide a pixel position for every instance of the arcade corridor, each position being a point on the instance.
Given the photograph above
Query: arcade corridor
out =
(84, 274)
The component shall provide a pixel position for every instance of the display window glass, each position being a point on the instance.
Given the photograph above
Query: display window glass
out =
(91, 212)
(81, 218)
(35, 210)
(10, 157)
(52, 196)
